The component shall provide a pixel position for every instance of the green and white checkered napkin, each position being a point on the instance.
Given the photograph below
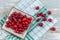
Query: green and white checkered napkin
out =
(35, 32)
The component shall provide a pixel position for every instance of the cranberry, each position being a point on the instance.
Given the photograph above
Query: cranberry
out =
(23, 23)
(44, 15)
(18, 14)
(53, 28)
(8, 26)
(41, 24)
(24, 16)
(15, 26)
(15, 19)
(44, 18)
(39, 14)
(20, 26)
(22, 30)
(38, 19)
(50, 20)
(14, 14)
(21, 17)
(19, 20)
(37, 8)
(12, 23)
(26, 23)
(24, 19)
(25, 28)
(49, 12)
(10, 18)
(16, 30)
(30, 18)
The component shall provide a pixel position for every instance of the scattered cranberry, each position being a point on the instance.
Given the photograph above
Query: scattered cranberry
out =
(38, 19)
(50, 20)
(37, 8)
(39, 14)
(49, 12)
(43, 15)
(18, 22)
(44, 18)
(53, 28)
(41, 24)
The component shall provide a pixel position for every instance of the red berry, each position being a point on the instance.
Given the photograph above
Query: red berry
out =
(49, 12)
(19, 20)
(22, 30)
(26, 23)
(14, 26)
(20, 26)
(23, 23)
(7, 22)
(44, 18)
(30, 18)
(24, 16)
(21, 16)
(39, 14)
(18, 14)
(53, 28)
(16, 31)
(41, 24)
(37, 8)
(14, 13)
(24, 19)
(43, 15)
(12, 23)
(50, 20)
(8, 26)
(38, 19)
(15, 19)
(25, 28)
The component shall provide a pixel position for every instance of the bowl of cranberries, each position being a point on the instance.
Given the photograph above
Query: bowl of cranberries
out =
(18, 23)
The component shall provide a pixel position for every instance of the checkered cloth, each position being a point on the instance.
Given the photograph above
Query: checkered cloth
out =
(35, 32)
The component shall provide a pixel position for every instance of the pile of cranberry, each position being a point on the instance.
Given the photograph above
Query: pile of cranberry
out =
(18, 22)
